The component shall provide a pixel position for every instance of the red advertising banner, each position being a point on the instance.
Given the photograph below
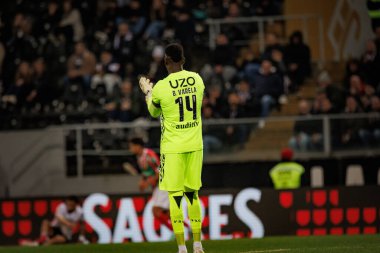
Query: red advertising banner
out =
(248, 212)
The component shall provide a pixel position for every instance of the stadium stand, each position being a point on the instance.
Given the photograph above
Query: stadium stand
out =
(78, 62)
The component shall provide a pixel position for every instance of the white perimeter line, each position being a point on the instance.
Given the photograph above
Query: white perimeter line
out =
(265, 251)
(287, 250)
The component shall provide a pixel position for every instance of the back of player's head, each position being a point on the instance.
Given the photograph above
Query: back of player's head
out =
(175, 52)
(73, 198)
(137, 141)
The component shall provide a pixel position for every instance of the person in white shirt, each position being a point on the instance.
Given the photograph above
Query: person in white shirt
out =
(67, 219)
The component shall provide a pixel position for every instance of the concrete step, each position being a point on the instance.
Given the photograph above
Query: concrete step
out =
(279, 125)
(274, 145)
(308, 91)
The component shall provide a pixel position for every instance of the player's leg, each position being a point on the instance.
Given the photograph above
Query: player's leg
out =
(195, 216)
(163, 216)
(161, 207)
(55, 236)
(176, 216)
(193, 183)
(57, 239)
(45, 226)
(172, 174)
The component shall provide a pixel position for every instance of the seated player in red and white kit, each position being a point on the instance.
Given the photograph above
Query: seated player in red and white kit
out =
(149, 163)
(68, 216)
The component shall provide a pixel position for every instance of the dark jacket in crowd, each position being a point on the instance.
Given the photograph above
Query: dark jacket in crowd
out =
(268, 85)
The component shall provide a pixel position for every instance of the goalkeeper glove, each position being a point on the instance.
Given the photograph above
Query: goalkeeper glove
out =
(146, 86)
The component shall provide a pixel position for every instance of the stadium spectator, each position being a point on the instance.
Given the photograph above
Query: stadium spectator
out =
(212, 135)
(236, 135)
(365, 103)
(81, 66)
(21, 46)
(124, 47)
(323, 105)
(267, 87)
(215, 99)
(157, 16)
(126, 104)
(44, 89)
(334, 93)
(223, 56)
(278, 62)
(307, 133)
(371, 64)
(20, 92)
(107, 73)
(266, 7)
(271, 43)
(352, 105)
(353, 67)
(106, 24)
(356, 86)
(350, 127)
(157, 69)
(216, 79)
(71, 23)
(221, 70)
(297, 59)
(49, 22)
(212, 9)
(247, 64)
(135, 16)
(371, 134)
(183, 23)
(234, 31)
(246, 96)
(286, 174)
(233, 10)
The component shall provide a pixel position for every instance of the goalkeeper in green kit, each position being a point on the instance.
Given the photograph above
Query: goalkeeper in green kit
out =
(178, 100)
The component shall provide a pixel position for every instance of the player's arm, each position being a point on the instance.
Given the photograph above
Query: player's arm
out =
(155, 164)
(150, 97)
(82, 231)
(65, 222)
(153, 107)
(143, 183)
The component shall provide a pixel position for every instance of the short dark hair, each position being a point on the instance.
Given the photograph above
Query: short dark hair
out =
(175, 52)
(137, 141)
(72, 198)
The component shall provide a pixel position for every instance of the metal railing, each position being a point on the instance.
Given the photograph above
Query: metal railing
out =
(215, 26)
(245, 147)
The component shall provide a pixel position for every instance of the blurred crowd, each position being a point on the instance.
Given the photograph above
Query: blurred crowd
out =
(76, 61)
(359, 92)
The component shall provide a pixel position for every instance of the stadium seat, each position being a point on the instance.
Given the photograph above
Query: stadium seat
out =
(316, 177)
(354, 176)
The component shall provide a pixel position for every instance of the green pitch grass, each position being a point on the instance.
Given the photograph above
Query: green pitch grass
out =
(325, 244)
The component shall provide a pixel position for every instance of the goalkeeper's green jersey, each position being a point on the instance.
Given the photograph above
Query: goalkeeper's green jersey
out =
(179, 97)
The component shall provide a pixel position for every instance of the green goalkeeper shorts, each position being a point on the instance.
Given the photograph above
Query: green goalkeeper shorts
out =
(181, 171)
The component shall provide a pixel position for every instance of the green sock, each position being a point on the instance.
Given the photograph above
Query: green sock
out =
(176, 216)
(180, 238)
(194, 209)
(196, 237)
